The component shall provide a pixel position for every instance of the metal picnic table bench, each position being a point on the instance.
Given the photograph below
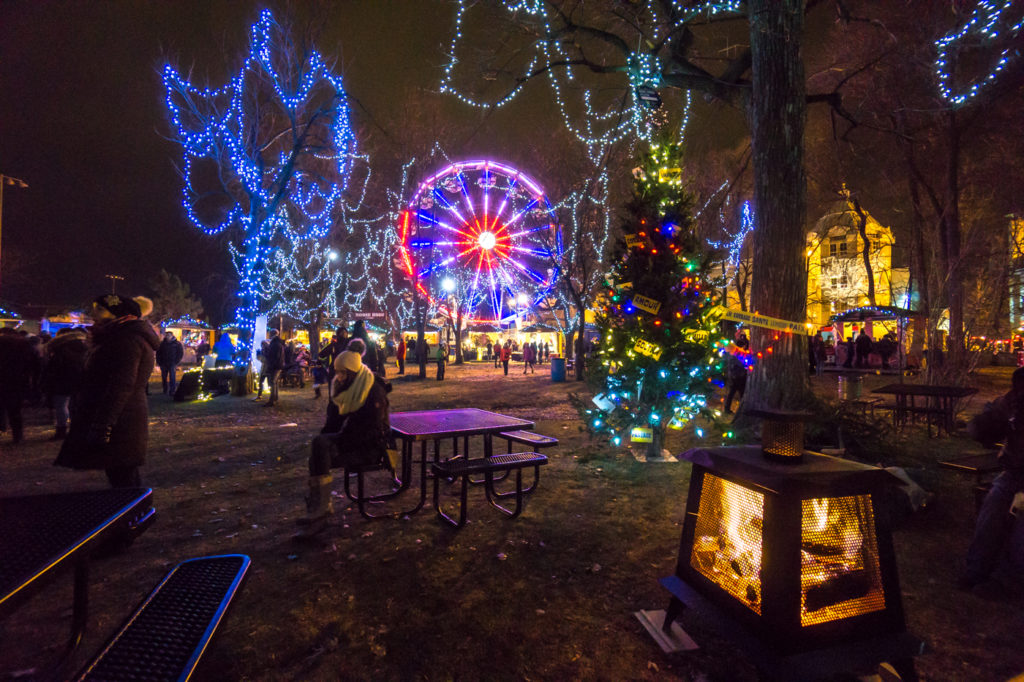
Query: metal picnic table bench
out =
(939, 407)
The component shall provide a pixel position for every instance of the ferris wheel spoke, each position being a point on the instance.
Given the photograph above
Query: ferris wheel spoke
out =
(522, 212)
(465, 193)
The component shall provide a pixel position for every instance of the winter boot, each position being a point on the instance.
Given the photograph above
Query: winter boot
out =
(61, 433)
(316, 392)
(318, 506)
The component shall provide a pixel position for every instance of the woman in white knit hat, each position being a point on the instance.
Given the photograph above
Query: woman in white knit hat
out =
(357, 432)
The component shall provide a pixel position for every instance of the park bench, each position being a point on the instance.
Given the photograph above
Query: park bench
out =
(462, 468)
(167, 634)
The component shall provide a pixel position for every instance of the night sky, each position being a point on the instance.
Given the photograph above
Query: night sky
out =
(83, 122)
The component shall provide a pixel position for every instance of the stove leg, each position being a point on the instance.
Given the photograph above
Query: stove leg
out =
(674, 610)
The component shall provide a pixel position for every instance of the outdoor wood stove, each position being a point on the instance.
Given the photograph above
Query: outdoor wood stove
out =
(791, 558)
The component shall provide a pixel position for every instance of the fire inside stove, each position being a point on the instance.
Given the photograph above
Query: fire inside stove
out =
(840, 576)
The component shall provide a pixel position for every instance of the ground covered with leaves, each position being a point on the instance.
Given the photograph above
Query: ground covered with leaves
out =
(548, 596)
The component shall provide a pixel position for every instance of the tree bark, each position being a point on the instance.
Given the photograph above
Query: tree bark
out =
(862, 228)
(956, 354)
(778, 116)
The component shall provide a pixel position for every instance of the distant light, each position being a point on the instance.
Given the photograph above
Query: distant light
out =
(523, 299)
(448, 284)
(333, 255)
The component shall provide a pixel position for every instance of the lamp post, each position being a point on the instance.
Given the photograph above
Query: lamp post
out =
(113, 282)
(14, 182)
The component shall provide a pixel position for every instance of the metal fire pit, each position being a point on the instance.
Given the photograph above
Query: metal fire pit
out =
(792, 559)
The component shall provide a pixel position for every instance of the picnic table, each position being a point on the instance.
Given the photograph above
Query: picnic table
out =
(42, 534)
(437, 425)
(939, 402)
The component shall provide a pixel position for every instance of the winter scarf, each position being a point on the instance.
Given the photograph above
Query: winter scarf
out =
(353, 397)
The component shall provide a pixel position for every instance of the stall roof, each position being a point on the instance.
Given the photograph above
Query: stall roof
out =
(884, 312)
(186, 321)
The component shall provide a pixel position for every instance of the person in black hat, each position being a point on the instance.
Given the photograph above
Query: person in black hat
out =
(110, 427)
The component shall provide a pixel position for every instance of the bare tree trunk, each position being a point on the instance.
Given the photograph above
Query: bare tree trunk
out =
(458, 337)
(778, 115)
(862, 228)
(957, 356)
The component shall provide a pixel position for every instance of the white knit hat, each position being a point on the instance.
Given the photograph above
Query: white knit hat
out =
(348, 360)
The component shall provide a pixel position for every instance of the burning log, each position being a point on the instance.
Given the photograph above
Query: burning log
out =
(837, 589)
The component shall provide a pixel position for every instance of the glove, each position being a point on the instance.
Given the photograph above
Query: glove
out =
(98, 434)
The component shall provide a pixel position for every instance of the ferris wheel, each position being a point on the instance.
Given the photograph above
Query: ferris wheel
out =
(480, 237)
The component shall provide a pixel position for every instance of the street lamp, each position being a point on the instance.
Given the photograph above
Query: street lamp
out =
(14, 182)
(113, 282)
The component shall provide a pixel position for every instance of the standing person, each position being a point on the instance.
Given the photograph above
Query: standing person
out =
(442, 360)
(202, 350)
(506, 355)
(63, 375)
(547, 351)
(737, 381)
(357, 432)
(371, 358)
(18, 365)
(401, 355)
(1001, 420)
(168, 355)
(528, 357)
(273, 363)
(863, 347)
(319, 373)
(261, 377)
(110, 417)
(820, 354)
(497, 353)
(851, 352)
(327, 354)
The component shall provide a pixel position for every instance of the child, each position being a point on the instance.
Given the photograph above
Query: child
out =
(319, 378)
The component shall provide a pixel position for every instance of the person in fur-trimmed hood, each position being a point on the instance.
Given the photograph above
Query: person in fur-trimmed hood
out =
(110, 424)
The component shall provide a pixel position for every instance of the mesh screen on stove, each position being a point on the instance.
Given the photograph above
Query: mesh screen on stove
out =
(840, 575)
(728, 539)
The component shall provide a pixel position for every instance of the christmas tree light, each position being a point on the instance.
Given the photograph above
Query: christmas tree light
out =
(659, 349)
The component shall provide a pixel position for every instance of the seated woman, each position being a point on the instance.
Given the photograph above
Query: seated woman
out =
(1002, 420)
(357, 432)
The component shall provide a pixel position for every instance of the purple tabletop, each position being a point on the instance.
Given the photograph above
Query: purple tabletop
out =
(431, 424)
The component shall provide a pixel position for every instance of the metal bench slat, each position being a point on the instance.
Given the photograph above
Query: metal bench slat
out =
(168, 633)
(514, 460)
(528, 438)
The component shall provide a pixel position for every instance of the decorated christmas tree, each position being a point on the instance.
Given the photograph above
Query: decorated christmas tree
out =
(658, 351)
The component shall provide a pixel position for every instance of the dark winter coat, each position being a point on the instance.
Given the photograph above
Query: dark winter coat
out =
(169, 353)
(368, 429)
(998, 423)
(112, 399)
(19, 363)
(66, 363)
(274, 357)
(864, 344)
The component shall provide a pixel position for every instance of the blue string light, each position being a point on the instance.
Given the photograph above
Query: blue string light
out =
(304, 173)
(984, 25)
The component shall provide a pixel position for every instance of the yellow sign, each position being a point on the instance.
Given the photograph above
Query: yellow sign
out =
(647, 348)
(641, 434)
(669, 174)
(633, 240)
(646, 304)
(755, 320)
(699, 336)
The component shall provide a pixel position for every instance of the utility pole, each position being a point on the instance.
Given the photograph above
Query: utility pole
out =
(113, 282)
(14, 182)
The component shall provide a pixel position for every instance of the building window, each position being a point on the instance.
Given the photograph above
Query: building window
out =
(837, 247)
(844, 281)
(832, 282)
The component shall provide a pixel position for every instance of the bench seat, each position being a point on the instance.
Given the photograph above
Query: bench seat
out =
(488, 466)
(168, 633)
(528, 438)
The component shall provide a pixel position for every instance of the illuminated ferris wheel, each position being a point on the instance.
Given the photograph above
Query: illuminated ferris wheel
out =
(482, 236)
